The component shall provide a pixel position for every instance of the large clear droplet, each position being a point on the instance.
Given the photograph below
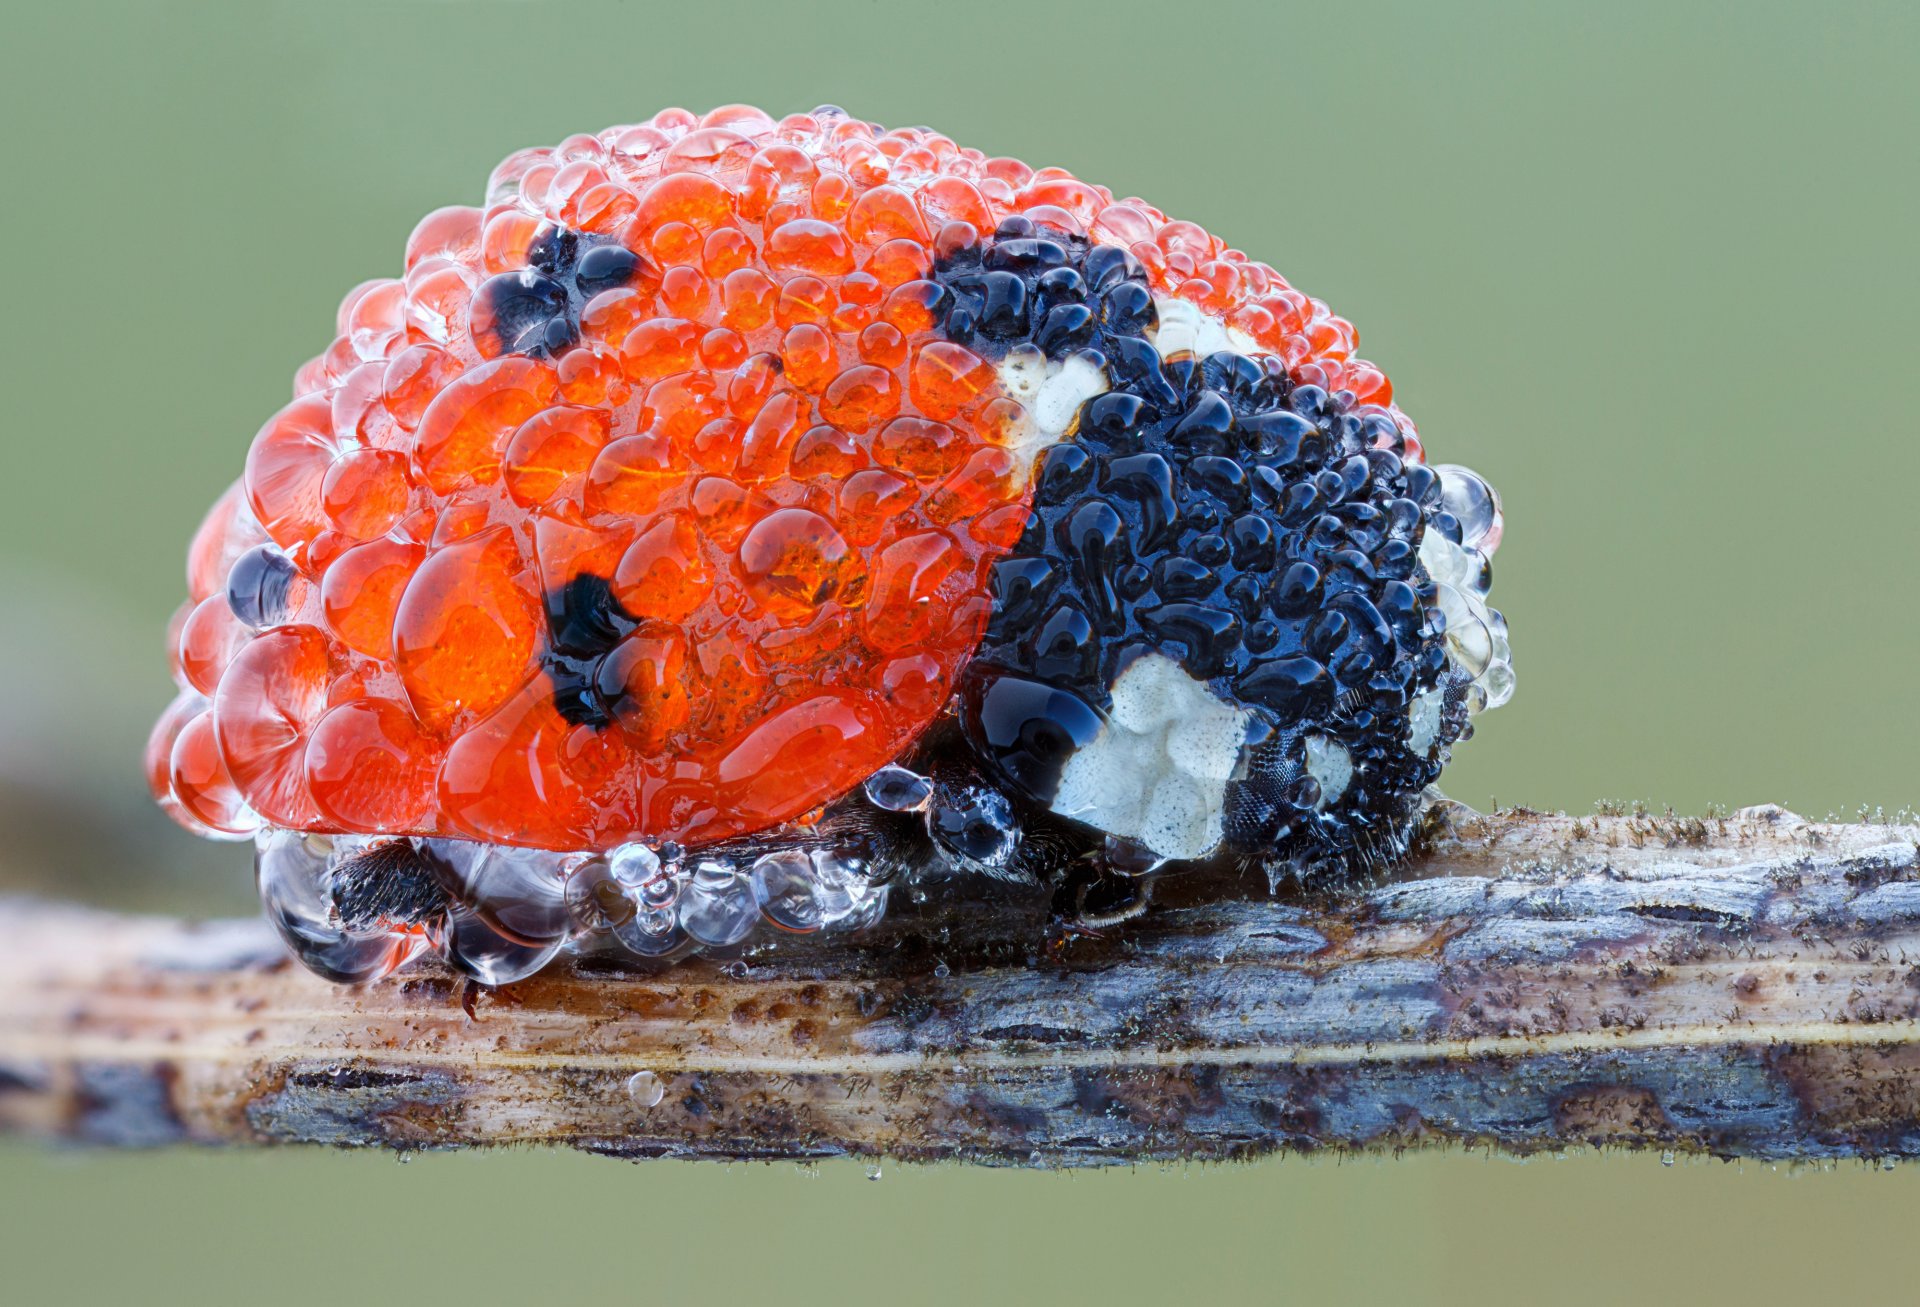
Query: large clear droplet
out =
(975, 824)
(897, 789)
(718, 907)
(847, 898)
(476, 949)
(634, 864)
(1499, 684)
(597, 901)
(521, 893)
(784, 887)
(1468, 496)
(290, 871)
(646, 1089)
(1448, 563)
(653, 934)
(1468, 640)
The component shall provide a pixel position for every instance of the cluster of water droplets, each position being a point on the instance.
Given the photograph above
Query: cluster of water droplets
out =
(654, 908)
(1457, 551)
(499, 914)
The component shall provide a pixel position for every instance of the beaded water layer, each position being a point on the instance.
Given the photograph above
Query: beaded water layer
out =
(735, 520)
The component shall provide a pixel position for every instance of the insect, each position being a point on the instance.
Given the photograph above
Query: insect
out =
(732, 518)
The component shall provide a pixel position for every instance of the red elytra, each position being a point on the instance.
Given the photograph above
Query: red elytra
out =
(790, 484)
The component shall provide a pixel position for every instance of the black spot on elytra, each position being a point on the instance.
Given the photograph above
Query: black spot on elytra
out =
(535, 310)
(527, 313)
(258, 585)
(584, 622)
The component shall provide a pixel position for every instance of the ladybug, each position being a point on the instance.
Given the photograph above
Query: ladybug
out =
(733, 517)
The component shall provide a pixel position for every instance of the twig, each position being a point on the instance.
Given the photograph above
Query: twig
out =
(1743, 986)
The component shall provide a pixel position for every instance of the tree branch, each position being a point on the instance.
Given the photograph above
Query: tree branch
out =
(1741, 986)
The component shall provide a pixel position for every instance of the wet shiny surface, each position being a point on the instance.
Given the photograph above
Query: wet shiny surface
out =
(1491, 195)
(565, 549)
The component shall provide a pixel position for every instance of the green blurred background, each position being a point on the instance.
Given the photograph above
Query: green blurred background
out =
(1650, 268)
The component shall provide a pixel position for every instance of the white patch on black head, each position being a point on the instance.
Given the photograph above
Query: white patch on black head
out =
(1157, 773)
(1424, 720)
(1185, 329)
(1051, 391)
(1022, 371)
(1329, 763)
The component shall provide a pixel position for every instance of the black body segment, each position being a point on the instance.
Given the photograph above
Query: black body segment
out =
(1262, 534)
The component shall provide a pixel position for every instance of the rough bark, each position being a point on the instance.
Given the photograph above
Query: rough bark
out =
(1741, 986)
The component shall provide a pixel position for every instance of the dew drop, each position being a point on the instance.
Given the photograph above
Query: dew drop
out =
(718, 908)
(784, 887)
(633, 865)
(646, 1089)
(476, 949)
(896, 789)
(651, 933)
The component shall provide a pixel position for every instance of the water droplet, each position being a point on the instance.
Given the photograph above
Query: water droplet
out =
(598, 900)
(634, 864)
(794, 562)
(1473, 504)
(1666, 1157)
(848, 899)
(260, 585)
(897, 789)
(977, 825)
(874, 1174)
(520, 892)
(788, 895)
(476, 949)
(291, 874)
(718, 907)
(652, 933)
(646, 1089)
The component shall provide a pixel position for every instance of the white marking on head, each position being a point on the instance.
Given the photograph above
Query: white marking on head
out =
(1424, 719)
(1329, 763)
(1051, 393)
(1157, 773)
(1185, 329)
(1022, 371)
